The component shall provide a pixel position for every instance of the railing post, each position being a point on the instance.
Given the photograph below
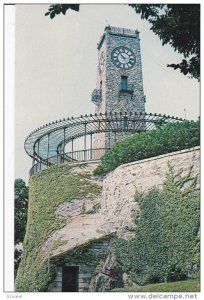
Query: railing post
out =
(109, 138)
(72, 148)
(64, 143)
(48, 146)
(91, 146)
(85, 141)
(33, 162)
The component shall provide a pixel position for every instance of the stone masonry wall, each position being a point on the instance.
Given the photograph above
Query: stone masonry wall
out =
(118, 205)
(116, 209)
(116, 102)
(109, 80)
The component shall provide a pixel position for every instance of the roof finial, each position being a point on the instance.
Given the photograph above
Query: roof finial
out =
(184, 113)
(107, 26)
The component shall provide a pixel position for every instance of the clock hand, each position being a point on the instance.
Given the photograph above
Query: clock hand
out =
(123, 56)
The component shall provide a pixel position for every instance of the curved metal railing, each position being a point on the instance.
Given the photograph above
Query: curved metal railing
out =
(69, 157)
(46, 145)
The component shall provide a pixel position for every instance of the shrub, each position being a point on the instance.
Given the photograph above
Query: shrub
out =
(166, 245)
(172, 137)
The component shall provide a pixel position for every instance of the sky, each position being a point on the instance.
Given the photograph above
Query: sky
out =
(56, 67)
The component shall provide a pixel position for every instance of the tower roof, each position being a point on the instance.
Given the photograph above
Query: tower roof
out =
(118, 31)
(121, 31)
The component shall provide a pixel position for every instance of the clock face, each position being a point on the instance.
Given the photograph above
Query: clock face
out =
(101, 61)
(123, 58)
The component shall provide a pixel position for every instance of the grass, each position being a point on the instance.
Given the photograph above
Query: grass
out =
(192, 285)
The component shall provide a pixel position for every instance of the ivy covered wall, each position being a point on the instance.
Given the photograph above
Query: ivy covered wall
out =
(48, 189)
(166, 243)
(168, 222)
(88, 257)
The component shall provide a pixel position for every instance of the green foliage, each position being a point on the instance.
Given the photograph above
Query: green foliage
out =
(17, 259)
(82, 255)
(20, 217)
(179, 26)
(56, 9)
(48, 189)
(167, 139)
(166, 245)
(57, 243)
(176, 24)
(21, 207)
(176, 287)
(94, 210)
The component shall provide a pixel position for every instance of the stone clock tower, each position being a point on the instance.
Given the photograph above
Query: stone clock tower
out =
(119, 86)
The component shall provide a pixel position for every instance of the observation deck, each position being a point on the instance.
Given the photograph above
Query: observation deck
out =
(46, 145)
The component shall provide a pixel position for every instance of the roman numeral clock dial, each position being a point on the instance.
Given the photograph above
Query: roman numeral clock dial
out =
(123, 58)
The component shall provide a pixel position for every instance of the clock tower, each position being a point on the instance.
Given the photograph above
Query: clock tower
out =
(119, 86)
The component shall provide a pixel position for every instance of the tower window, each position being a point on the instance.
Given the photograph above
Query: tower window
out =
(124, 83)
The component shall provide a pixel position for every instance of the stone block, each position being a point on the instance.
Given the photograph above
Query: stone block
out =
(58, 284)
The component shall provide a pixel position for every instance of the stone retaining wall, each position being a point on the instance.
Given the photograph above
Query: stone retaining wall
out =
(116, 211)
(118, 205)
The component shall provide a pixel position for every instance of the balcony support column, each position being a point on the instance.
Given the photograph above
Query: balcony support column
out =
(109, 133)
(64, 142)
(85, 141)
(72, 147)
(91, 145)
(48, 145)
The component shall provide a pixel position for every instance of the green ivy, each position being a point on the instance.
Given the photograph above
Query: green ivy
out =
(166, 244)
(170, 138)
(82, 254)
(47, 190)
(57, 243)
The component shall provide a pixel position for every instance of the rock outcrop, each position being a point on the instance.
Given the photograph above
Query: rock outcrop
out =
(110, 276)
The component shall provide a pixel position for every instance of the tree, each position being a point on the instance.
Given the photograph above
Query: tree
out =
(56, 9)
(175, 24)
(17, 259)
(21, 207)
(179, 26)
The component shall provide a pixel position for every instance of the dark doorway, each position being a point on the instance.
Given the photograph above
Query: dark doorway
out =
(70, 279)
